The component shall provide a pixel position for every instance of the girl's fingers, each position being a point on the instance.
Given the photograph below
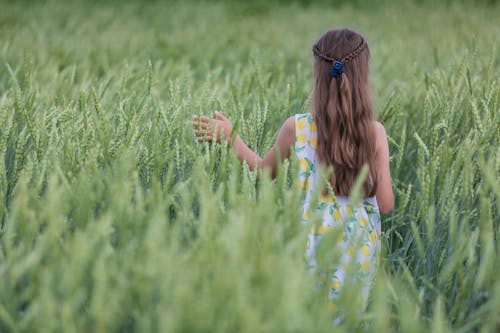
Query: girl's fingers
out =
(205, 138)
(198, 124)
(219, 116)
(205, 127)
(202, 118)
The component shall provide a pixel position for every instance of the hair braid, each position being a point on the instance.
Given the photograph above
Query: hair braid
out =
(353, 54)
(321, 55)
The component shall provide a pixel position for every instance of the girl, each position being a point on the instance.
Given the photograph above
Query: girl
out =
(340, 133)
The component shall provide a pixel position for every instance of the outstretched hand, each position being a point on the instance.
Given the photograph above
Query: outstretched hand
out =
(207, 129)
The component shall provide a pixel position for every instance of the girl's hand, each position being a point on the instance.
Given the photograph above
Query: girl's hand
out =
(205, 127)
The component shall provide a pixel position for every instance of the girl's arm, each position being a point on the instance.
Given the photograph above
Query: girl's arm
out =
(223, 127)
(385, 197)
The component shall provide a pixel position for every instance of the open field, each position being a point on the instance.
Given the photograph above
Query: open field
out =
(114, 219)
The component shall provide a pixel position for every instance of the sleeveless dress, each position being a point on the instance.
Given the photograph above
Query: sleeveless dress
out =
(355, 227)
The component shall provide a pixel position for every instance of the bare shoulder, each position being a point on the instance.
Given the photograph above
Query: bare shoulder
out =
(289, 123)
(380, 137)
(380, 133)
(379, 129)
(286, 137)
(288, 127)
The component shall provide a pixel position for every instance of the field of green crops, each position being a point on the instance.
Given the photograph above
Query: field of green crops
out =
(113, 219)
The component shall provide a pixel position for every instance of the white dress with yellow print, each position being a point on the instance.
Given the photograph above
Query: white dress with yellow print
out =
(357, 226)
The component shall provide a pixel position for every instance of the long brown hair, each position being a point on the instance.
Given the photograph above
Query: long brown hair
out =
(343, 110)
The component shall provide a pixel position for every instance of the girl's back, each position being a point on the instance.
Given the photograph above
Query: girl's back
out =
(357, 226)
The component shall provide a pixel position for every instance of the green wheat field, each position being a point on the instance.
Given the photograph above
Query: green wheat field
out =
(113, 218)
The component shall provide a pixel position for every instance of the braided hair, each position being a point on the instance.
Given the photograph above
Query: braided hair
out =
(353, 54)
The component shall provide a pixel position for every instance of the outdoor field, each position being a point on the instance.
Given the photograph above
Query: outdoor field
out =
(114, 219)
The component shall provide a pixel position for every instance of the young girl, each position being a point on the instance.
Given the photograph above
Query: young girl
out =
(340, 133)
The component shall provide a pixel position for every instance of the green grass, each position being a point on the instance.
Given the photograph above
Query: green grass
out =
(114, 219)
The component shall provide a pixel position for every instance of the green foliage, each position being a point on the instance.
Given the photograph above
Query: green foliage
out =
(114, 219)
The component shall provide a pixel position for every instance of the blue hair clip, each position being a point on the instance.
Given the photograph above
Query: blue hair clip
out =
(337, 69)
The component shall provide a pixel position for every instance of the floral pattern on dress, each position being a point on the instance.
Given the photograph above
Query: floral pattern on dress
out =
(356, 227)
